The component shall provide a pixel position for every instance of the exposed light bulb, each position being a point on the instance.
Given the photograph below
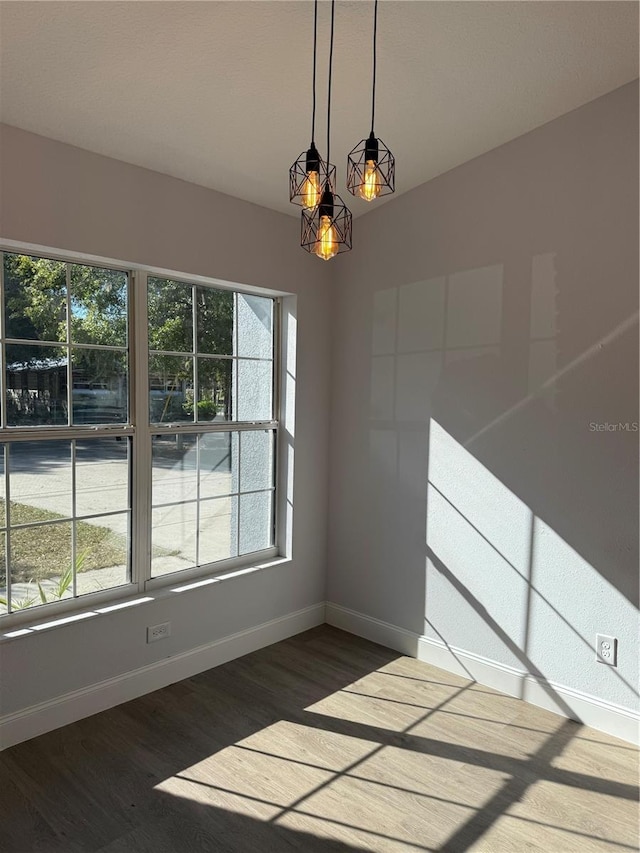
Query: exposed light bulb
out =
(326, 245)
(371, 183)
(311, 190)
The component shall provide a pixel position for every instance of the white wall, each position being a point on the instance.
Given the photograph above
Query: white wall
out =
(59, 196)
(482, 322)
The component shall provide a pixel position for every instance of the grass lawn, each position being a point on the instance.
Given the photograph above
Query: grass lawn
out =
(44, 552)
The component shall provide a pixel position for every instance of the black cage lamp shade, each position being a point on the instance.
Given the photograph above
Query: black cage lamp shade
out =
(307, 177)
(326, 230)
(310, 173)
(371, 169)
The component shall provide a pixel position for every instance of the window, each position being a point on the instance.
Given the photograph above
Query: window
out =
(210, 366)
(188, 464)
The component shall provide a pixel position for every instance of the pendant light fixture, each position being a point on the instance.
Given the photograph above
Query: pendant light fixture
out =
(326, 229)
(309, 173)
(370, 165)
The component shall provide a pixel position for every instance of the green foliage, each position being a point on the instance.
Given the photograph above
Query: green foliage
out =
(173, 307)
(36, 310)
(19, 603)
(36, 305)
(206, 408)
(35, 302)
(37, 294)
(171, 317)
(98, 306)
(63, 582)
(60, 586)
(214, 310)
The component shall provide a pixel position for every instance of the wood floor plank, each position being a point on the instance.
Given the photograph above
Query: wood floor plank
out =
(324, 742)
(27, 829)
(48, 783)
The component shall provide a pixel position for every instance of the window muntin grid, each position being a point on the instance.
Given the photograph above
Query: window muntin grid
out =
(78, 424)
(211, 354)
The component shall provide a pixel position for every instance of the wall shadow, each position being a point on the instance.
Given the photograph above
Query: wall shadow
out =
(499, 302)
(539, 456)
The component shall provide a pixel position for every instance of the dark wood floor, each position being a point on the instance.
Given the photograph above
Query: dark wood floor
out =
(324, 742)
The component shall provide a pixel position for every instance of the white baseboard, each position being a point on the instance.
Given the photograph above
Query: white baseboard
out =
(62, 710)
(590, 710)
(372, 629)
(46, 716)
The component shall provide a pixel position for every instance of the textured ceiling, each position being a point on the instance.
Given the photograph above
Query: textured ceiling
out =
(218, 93)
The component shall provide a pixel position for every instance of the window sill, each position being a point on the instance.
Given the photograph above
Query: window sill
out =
(166, 591)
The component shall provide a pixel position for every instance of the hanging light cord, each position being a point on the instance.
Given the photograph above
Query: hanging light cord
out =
(333, 4)
(375, 40)
(315, 42)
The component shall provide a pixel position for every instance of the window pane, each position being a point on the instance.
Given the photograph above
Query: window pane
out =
(39, 481)
(41, 569)
(102, 553)
(214, 389)
(98, 306)
(255, 326)
(254, 391)
(215, 321)
(256, 524)
(174, 468)
(173, 539)
(102, 475)
(218, 464)
(36, 378)
(218, 538)
(35, 298)
(99, 387)
(170, 315)
(170, 388)
(256, 460)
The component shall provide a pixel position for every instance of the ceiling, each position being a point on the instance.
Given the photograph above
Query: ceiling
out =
(218, 93)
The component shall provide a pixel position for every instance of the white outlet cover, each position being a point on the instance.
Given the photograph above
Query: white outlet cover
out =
(158, 632)
(606, 650)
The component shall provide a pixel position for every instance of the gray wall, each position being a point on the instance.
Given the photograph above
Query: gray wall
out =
(59, 196)
(482, 322)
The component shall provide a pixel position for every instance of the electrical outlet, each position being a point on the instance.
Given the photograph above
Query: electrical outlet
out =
(606, 650)
(158, 632)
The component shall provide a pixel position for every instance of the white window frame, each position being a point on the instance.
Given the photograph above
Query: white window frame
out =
(139, 432)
